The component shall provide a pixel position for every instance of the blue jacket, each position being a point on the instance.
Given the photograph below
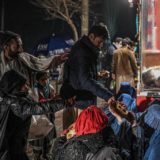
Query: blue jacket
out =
(80, 70)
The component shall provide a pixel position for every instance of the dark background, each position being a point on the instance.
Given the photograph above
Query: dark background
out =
(22, 17)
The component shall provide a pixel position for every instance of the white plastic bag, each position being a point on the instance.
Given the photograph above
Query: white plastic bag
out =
(40, 127)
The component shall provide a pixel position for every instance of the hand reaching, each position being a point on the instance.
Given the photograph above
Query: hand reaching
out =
(62, 57)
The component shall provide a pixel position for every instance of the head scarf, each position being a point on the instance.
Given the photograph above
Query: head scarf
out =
(11, 82)
(90, 120)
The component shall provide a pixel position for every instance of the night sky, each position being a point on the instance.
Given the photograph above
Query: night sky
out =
(29, 21)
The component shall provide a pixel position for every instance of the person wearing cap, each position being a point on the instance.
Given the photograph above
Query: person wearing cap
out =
(13, 57)
(124, 66)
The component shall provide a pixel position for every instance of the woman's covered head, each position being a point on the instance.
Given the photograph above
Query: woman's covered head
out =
(12, 82)
(90, 120)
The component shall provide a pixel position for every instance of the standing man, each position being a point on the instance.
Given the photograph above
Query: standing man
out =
(117, 43)
(80, 70)
(13, 57)
(124, 66)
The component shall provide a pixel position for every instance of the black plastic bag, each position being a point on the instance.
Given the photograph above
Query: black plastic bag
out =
(4, 113)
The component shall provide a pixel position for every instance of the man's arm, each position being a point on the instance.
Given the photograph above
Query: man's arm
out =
(38, 64)
(23, 108)
(86, 81)
(114, 60)
(133, 63)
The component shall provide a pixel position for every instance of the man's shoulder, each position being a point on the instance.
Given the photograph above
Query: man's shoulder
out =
(78, 49)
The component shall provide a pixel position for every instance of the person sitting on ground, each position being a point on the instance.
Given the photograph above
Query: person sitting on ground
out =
(88, 138)
(144, 138)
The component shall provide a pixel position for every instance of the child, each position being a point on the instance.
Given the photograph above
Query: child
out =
(44, 91)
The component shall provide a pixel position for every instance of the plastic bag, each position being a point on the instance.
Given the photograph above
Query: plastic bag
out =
(40, 127)
(112, 85)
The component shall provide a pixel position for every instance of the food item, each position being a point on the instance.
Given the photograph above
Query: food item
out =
(122, 111)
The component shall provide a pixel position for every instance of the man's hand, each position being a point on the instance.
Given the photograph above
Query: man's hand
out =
(61, 58)
(103, 73)
(70, 101)
(115, 114)
(110, 101)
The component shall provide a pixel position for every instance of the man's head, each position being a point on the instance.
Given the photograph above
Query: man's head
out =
(98, 34)
(118, 42)
(13, 82)
(10, 43)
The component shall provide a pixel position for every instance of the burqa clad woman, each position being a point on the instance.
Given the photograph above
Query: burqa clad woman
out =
(16, 109)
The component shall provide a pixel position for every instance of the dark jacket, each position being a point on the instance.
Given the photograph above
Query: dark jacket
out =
(15, 116)
(85, 147)
(81, 72)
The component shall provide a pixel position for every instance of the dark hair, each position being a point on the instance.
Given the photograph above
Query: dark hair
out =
(39, 75)
(118, 39)
(99, 31)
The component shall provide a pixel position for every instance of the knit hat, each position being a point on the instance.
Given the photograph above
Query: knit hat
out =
(90, 120)
(152, 117)
(5, 36)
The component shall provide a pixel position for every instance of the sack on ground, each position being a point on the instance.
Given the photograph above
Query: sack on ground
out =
(40, 127)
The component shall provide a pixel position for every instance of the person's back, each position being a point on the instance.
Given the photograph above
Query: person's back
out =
(124, 67)
(124, 62)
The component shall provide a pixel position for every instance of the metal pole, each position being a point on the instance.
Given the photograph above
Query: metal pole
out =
(2, 15)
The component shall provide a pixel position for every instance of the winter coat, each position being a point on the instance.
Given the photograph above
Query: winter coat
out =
(88, 147)
(26, 64)
(15, 115)
(81, 72)
(124, 62)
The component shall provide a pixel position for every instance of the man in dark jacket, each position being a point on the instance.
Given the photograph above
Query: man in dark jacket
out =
(80, 70)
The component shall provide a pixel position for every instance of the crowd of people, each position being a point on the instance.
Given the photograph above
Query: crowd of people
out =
(118, 131)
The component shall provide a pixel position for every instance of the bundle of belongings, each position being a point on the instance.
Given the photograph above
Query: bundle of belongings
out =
(151, 77)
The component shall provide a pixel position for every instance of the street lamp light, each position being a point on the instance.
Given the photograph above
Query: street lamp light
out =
(130, 3)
